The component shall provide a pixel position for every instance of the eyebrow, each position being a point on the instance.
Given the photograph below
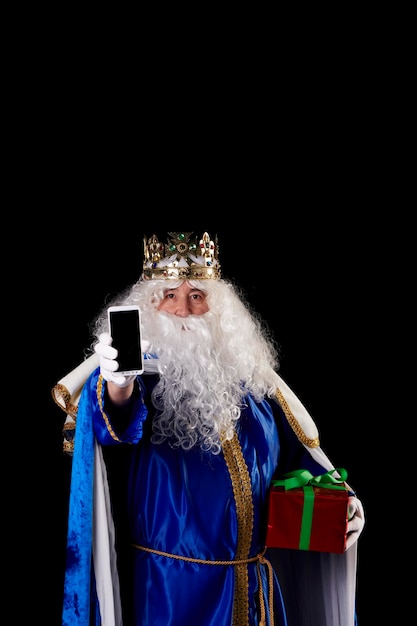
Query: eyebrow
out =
(193, 290)
(203, 293)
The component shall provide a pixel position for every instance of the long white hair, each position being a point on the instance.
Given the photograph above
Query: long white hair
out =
(207, 363)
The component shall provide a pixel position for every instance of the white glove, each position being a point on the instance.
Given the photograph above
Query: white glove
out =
(356, 520)
(108, 363)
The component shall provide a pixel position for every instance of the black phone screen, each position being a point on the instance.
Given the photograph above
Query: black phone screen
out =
(125, 331)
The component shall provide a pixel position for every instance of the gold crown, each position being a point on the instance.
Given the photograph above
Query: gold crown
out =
(183, 257)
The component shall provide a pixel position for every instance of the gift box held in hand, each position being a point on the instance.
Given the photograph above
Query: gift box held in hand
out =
(308, 512)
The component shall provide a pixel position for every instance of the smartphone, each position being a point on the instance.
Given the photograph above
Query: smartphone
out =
(124, 327)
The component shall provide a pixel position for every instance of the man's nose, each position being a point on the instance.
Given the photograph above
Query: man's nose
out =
(182, 308)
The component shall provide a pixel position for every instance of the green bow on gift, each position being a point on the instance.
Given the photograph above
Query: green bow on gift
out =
(305, 479)
(302, 477)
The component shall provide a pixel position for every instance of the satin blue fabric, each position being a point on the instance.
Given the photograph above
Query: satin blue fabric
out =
(182, 503)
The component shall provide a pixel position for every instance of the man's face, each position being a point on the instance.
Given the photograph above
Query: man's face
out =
(184, 300)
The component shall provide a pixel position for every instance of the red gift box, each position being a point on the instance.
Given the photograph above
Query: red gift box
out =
(310, 517)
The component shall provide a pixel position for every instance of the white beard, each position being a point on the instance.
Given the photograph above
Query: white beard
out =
(199, 394)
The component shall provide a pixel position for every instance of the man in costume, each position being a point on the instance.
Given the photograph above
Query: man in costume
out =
(172, 469)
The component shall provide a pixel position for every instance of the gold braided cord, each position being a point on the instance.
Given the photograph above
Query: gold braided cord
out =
(259, 558)
(265, 561)
(62, 391)
(200, 561)
(100, 404)
(311, 443)
(242, 491)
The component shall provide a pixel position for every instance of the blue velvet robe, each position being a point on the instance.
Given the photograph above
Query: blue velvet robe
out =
(177, 515)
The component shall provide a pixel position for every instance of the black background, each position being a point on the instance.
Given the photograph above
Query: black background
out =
(299, 173)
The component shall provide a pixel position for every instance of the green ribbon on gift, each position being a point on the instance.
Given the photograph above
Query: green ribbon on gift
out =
(305, 479)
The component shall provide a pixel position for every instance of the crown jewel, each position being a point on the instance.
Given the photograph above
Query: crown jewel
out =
(183, 257)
